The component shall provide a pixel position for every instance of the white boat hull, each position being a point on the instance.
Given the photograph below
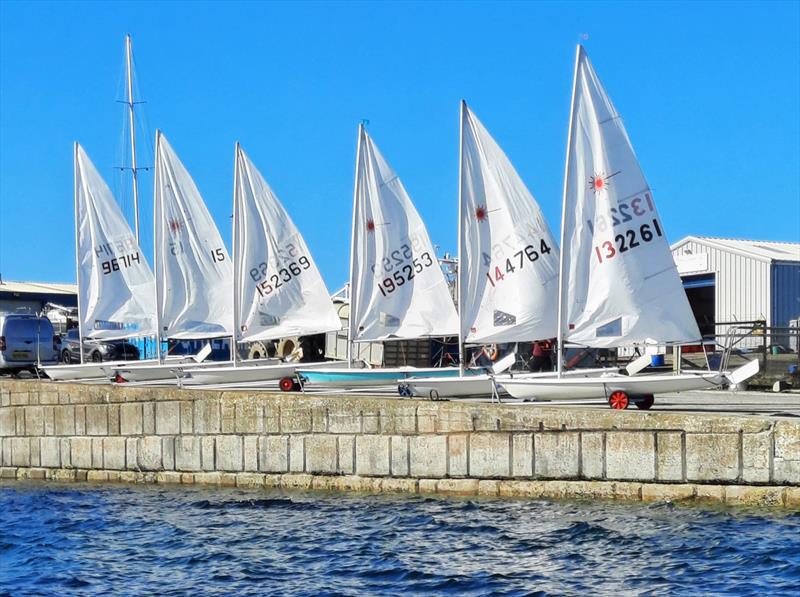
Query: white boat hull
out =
(571, 388)
(87, 370)
(247, 374)
(170, 371)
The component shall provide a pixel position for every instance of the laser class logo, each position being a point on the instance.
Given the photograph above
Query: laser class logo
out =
(175, 226)
(481, 213)
(600, 182)
(370, 226)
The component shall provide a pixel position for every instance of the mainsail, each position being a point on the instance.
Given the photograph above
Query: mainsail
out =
(621, 285)
(193, 269)
(398, 289)
(115, 283)
(279, 290)
(509, 260)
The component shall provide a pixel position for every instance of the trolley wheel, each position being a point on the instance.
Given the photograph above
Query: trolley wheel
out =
(619, 400)
(287, 384)
(434, 395)
(645, 402)
(403, 390)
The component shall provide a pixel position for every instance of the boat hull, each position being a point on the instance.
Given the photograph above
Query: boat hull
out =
(350, 378)
(169, 371)
(87, 370)
(247, 374)
(570, 388)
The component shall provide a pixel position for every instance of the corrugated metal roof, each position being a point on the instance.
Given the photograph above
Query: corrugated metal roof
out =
(38, 287)
(758, 249)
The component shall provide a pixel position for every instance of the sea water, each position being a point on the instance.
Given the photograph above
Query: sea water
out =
(142, 540)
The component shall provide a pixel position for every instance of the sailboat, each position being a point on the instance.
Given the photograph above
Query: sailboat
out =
(397, 288)
(618, 283)
(278, 290)
(508, 260)
(115, 284)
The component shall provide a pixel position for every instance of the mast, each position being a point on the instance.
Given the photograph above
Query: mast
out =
(351, 320)
(157, 199)
(77, 252)
(560, 338)
(461, 252)
(130, 102)
(236, 258)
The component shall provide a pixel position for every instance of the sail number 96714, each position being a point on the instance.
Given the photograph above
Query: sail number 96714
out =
(627, 240)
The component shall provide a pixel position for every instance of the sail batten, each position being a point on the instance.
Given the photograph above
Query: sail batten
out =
(280, 291)
(193, 268)
(397, 285)
(621, 285)
(115, 282)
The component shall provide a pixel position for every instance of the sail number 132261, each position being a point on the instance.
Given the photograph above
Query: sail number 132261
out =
(627, 240)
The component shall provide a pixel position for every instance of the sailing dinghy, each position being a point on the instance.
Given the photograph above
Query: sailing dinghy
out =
(278, 290)
(397, 288)
(508, 260)
(115, 283)
(618, 281)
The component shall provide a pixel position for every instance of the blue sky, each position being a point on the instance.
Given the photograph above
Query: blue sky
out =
(710, 94)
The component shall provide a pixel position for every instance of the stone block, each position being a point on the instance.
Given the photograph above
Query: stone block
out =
(150, 457)
(5, 397)
(148, 418)
(297, 481)
(130, 419)
(64, 420)
(592, 455)
(273, 453)
(168, 478)
(344, 421)
(390, 485)
(8, 424)
(97, 419)
(38, 474)
(35, 451)
(321, 453)
(399, 451)
(319, 419)
(114, 453)
(8, 472)
(556, 455)
(792, 498)
(712, 456)
(81, 452)
(669, 459)
(457, 455)
(662, 492)
(743, 495)
(48, 397)
(427, 418)
(787, 440)
(131, 453)
(19, 417)
(64, 446)
(272, 419)
(399, 419)
(113, 419)
(786, 471)
(427, 485)
(346, 445)
(370, 421)
(250, 480)
(490, 454)
(251, 453)
(228, 414)
(212, 478)
(20, 399)
(297, 454)
(49, 420)
(50, 453)
(186, 416)
(428, 456)
(710, 493)
(229, 453)
(372, 455)
(187, 453)
(458, 486)
(207, 416)
(489, 487)
(630, 455)
(296, 419)
(756, 457)
(249, 416)
(34, 420)
(80, 420)
(515, 488)
(522, 455)
(168, 418)
(97, 453)
(168, 453)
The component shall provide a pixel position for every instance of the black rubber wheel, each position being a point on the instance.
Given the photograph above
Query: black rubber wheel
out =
(645, 402)
(97, 357)
(65, 358)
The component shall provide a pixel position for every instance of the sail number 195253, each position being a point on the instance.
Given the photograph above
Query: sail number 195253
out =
(627, 240)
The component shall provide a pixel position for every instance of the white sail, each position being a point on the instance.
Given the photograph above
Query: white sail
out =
(193, 269)
(622, 286)
(115, 283)
(509, 258)
(280, 291)
(398, 288)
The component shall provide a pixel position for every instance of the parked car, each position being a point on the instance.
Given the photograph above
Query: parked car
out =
(25, 341)
(96, 350)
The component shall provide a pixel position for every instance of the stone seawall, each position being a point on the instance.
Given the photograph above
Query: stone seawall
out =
(72, 431)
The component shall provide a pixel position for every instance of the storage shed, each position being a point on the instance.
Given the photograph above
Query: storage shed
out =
(31, 297)
(730, 280)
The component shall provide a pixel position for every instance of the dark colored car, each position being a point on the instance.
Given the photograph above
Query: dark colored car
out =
(96, 350)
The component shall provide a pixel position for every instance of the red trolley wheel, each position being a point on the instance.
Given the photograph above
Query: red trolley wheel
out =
(618, 400)
(286, 384)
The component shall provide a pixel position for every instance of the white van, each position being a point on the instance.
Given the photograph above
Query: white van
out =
(25, 341)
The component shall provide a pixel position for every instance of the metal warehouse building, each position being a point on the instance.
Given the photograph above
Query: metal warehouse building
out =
(730, 280)
(31, 297)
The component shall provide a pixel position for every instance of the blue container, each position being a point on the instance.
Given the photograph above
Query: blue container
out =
(657, 360)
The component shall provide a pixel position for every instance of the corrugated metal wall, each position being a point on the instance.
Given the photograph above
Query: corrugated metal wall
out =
(743, 288)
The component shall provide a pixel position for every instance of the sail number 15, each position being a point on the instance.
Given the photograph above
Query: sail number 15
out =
(627, 240)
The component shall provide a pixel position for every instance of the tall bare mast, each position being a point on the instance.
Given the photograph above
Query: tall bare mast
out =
(130, 102)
